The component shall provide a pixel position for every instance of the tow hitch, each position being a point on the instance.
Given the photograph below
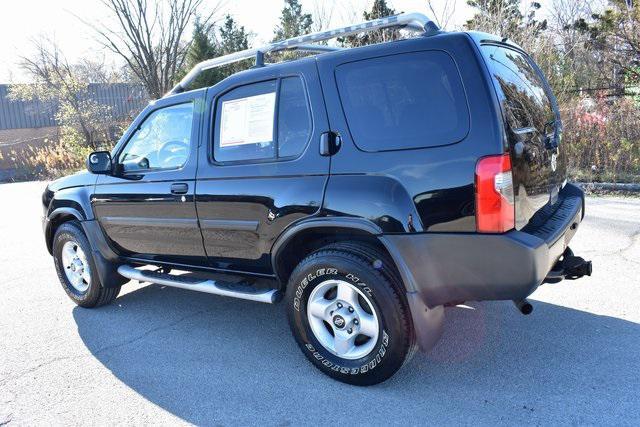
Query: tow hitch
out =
(569, 267)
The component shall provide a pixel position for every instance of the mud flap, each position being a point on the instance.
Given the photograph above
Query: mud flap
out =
(107, 265)
(427, 322)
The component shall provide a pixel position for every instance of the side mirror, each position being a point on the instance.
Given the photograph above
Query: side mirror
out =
(99, 162)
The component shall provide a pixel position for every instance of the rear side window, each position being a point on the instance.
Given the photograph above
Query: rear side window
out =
(262, 121)
(525, 102)
(294, 120)
(410, 100)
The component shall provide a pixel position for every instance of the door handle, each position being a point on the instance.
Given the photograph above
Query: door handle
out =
(329, 143)
(180, 188)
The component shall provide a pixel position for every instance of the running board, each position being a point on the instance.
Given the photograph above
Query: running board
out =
(208, 286)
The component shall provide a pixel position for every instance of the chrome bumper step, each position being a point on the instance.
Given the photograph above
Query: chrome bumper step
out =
(226, 289)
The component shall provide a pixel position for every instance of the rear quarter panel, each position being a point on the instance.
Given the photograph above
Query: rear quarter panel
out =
(416, 190)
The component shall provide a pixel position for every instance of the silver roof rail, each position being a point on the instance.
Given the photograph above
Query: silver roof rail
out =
(411, 21)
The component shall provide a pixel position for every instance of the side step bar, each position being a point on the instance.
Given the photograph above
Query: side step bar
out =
(208, 286)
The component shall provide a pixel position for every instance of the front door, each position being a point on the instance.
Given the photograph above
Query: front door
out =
(262, 169)
(146, 208)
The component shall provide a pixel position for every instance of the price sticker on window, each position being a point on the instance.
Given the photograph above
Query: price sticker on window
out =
(247, 120)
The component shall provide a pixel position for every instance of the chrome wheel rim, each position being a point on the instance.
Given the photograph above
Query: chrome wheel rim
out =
(343, 319)
(76, 267)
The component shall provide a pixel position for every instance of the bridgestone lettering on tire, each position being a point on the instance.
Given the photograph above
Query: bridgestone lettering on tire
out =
(348, 314)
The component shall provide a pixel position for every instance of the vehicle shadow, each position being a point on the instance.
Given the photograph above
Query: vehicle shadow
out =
(212, 360)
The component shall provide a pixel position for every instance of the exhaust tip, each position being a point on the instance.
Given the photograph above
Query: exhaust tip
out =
(524, 306)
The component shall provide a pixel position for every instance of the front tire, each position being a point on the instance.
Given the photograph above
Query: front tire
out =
(76, 268)
(348, 314)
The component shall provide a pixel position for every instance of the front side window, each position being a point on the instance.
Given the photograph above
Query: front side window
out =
(162, 141)
(262, 121)
(524, 99)
(409, 100)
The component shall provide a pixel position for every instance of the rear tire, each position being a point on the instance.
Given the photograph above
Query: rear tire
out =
(348, 314)
(76, 268)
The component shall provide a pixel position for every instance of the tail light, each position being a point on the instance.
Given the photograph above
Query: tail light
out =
(495, 204)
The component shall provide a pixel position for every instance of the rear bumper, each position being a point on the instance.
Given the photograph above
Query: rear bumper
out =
(446, 268)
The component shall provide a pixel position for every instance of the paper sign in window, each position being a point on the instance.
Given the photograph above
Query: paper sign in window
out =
(247, 120)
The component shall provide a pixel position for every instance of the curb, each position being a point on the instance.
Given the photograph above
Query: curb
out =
(608, 186)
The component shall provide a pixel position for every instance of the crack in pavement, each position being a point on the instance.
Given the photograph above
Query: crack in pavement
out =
(149, 332)
(35, 368)
(146, 333)
(6, 420)
(634, 238)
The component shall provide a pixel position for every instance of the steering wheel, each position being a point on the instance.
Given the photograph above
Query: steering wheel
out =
(173, 153)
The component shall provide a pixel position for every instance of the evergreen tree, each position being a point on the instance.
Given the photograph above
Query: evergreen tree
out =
(201, 45)
(615, 35)
(293, 23)
(207, 43)
(202, 48)
(232, 38)
(504, 18)
(380, 9)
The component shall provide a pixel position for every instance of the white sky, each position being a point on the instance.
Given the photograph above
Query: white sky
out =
(25, 19)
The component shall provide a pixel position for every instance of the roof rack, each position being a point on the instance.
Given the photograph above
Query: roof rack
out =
(411, 21)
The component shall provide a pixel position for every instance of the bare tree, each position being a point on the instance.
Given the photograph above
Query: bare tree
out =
(564, 14)
(574, 64)
(97, 70)
(58, 82)
(511, 19)
(616, 32)
(322, 15)
(150, 37)
(444, 13)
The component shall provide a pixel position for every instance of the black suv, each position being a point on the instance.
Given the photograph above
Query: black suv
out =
(374, 186)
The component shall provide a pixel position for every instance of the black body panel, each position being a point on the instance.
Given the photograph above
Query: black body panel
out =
(423, 189)
(139, 213)
(454, 267)
(532, 123)
(244, 207)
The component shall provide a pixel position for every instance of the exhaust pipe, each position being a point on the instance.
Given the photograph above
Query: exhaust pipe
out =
(523, 306)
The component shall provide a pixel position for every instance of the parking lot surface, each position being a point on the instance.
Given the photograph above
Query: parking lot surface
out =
(168, 356)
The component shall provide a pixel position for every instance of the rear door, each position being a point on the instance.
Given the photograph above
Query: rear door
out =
(261, 169)
(533, 128)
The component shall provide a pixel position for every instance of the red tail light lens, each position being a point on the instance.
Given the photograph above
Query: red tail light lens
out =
(495, 204)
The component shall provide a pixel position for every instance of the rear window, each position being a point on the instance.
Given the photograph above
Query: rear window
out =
(525, 102)
(409, 100)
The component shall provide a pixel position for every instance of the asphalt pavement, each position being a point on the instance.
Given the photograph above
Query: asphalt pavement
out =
(167, 356)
